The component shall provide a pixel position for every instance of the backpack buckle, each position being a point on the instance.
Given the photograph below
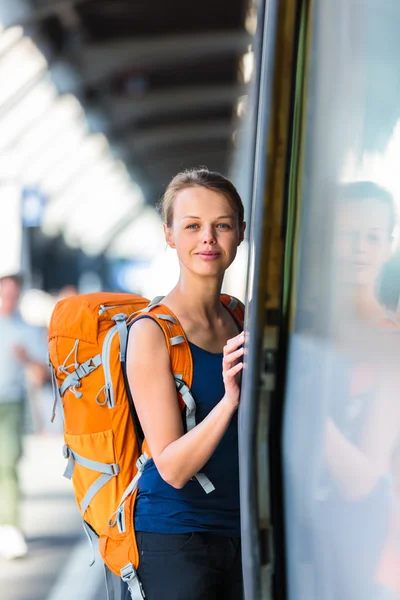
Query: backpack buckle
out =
(86, 368)
(128, 572)
(141, 461)
(179, 384)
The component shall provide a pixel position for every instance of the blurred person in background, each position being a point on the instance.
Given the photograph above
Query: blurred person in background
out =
(67, 291)
(20, 354)
(363, 424)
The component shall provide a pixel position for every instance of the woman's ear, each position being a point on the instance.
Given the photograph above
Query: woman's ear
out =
(241, 232)
(169, 238)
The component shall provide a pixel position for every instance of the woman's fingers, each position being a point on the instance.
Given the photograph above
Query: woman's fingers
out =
(228, 358)
(232, 364)
(232, 344)
(234, 370)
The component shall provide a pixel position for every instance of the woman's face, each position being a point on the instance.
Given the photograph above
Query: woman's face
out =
(204, 231)
(363, 241)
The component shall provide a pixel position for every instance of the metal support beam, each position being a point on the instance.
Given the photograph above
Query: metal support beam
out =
(99, 61)
(183, 99)
(179, 134)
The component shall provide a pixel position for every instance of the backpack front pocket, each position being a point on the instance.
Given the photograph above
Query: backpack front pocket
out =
(92, 468)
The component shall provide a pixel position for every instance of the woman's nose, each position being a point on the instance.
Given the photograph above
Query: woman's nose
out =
(209, 236)
(359, 243)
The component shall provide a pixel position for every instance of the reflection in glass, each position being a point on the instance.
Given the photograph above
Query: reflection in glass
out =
(342, 419)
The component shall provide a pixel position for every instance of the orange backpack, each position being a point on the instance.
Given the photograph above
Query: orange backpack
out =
(104, 442)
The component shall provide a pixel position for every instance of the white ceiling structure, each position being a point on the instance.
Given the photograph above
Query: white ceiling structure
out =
(103, 101)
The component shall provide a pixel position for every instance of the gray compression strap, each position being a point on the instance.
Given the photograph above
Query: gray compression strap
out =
(152, 304)
(84, 369)
(205, 483)
(189, 402)
(56, 394)
(156, 300)
(178, 339)
(73, 457)
(130, 577)
(108, 471)
(92, 538)
(118, 517)
(140, 463)
(188, 399)
(166, 318)
(123, 335)
(92, 491)
(233, 303)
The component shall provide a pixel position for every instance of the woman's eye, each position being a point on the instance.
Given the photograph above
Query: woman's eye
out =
(192, 226)
(374, 238)
(224, 226)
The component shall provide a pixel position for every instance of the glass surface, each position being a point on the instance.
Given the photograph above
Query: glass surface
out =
(342, 408)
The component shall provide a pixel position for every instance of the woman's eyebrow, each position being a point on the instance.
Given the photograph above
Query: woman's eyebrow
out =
(194, 217)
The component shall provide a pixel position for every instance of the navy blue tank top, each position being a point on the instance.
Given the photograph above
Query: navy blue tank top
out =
(160, 508)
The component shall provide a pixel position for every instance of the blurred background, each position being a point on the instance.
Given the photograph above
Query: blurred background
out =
(102, 102)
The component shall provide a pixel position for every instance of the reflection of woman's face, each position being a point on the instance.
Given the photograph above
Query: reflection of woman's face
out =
(363, 239)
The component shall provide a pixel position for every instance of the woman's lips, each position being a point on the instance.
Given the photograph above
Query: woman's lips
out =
(209, 255)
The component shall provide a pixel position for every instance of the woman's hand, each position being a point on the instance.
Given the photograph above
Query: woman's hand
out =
(231, 368)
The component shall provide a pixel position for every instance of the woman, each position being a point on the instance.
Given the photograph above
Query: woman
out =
(362, 432)
(189, 542)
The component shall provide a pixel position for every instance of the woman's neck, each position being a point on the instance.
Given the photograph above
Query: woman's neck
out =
(368, 306)
(200, 295)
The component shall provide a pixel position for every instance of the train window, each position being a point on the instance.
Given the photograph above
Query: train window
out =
(341, 438)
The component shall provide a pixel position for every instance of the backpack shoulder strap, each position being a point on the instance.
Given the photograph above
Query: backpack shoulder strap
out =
(175, 338)
(235, 307)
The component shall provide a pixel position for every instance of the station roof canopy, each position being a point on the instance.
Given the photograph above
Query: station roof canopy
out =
(161, 79)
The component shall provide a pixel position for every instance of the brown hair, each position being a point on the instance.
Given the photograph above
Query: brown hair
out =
(200, 177)
(358, 191)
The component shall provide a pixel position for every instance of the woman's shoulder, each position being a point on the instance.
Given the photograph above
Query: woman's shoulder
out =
(146, 335)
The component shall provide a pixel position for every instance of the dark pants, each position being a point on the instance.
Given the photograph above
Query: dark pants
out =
(189, 566)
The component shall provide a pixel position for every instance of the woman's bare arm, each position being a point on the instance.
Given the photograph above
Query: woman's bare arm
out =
(178, 456)
(358, 468)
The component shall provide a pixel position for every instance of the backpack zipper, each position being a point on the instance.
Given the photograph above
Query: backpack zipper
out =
(105, 358)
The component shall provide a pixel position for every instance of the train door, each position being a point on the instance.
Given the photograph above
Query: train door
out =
(320, 418)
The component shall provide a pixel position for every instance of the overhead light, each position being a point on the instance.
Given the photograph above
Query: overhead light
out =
(142, 238)
(20, 65)
(247, 65)
(58, 210)
(162, 271)
(85, 156)
(109, 202)
(10, 229)
(36, 307)
(8, 37)
(35, 104)
(241, 106)
(251, 19)
(60, 146)
(64, 113)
